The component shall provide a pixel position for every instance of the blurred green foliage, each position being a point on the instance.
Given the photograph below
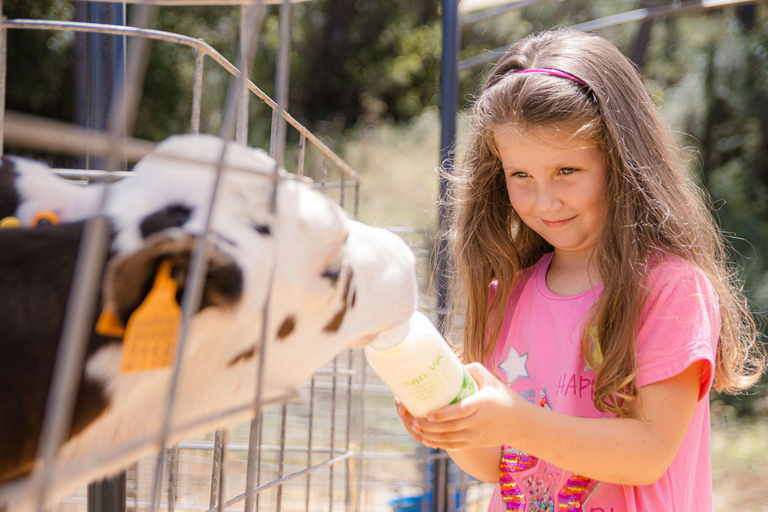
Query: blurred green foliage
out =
(356, 64)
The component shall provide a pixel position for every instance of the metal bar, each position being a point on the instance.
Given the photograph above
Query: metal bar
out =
(309, 440)
(222, 473)
(357, 200)
(194, 43)
(33, 132)
(189, 3)
(282, 78)
(99, 174)
(125, 103)
(495, 11)
(297, 474)
(616, 20)
(3, 71)
(361, 456)
(281, 459)
(302, 154)
(273, 133)
(448, 108)
(243, 447)
(258, 425)
(218, 447)
(333, 431)
(107, 495)
(173, 476)
(71, 352)
(241, 134)
(253, 471)
(135, 486)
(121, 71)
(348, 497)
(197, 91)
(334, 184)
(253, 16)
(324, 173)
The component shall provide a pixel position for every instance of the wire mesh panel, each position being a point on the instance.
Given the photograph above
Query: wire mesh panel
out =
(320, 438)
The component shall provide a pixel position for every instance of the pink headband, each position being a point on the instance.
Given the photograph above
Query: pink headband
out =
(553, 72)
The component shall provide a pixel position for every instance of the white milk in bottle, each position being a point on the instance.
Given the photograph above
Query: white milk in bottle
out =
(419, 367)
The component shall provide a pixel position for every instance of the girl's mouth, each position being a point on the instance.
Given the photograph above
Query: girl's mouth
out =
(557, 223)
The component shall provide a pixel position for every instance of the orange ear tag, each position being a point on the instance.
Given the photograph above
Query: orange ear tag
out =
(150, 336)
(109, 325)
(10, 222)
(45, 218)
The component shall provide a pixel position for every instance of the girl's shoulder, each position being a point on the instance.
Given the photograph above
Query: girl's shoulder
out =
(671, 276)
(664, 269)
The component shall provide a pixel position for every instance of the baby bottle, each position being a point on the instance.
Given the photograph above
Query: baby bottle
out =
(419, 367)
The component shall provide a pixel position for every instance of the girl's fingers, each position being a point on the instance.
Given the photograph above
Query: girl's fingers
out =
(447, 446)
(452, 412)
(443, 438)
(443, 426)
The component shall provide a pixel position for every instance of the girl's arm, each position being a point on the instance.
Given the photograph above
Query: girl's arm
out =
(631, 451)
(482, 463)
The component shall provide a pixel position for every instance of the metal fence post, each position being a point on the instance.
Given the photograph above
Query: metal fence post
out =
(449, 101)
(107, 495)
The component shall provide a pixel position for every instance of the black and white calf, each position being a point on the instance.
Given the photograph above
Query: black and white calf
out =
(336, 284)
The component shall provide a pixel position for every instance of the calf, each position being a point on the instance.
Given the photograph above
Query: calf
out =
(331, 283)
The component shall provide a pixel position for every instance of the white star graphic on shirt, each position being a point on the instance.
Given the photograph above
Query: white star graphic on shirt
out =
(514, 366)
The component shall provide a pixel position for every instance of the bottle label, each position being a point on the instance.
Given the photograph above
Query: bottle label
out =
(468, 387)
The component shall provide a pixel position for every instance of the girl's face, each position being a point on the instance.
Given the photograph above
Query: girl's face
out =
(556, 184)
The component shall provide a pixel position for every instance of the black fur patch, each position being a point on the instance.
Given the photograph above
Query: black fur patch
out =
(36, 269)
(173, 216)
(9, 198)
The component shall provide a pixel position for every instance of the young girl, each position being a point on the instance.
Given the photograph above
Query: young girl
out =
(600, 301)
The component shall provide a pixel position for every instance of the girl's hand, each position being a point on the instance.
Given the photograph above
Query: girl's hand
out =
(485, 419)
(407, 420)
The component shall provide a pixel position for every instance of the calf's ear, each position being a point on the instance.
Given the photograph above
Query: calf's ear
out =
(130, 278)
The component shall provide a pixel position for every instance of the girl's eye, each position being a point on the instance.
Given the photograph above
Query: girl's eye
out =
(568, 170)
(519, 174)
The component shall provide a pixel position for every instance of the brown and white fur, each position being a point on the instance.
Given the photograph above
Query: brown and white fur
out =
(335, 283)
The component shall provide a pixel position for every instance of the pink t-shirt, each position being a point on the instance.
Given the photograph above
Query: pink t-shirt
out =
(538, 354)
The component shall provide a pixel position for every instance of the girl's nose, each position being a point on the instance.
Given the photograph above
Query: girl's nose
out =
(546, 199)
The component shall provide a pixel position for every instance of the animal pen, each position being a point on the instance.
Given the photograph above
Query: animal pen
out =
(340, 445)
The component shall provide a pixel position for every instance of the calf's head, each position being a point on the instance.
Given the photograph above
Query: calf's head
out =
(329, 282)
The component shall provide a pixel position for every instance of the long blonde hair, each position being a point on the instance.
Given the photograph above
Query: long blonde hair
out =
(652, 208)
